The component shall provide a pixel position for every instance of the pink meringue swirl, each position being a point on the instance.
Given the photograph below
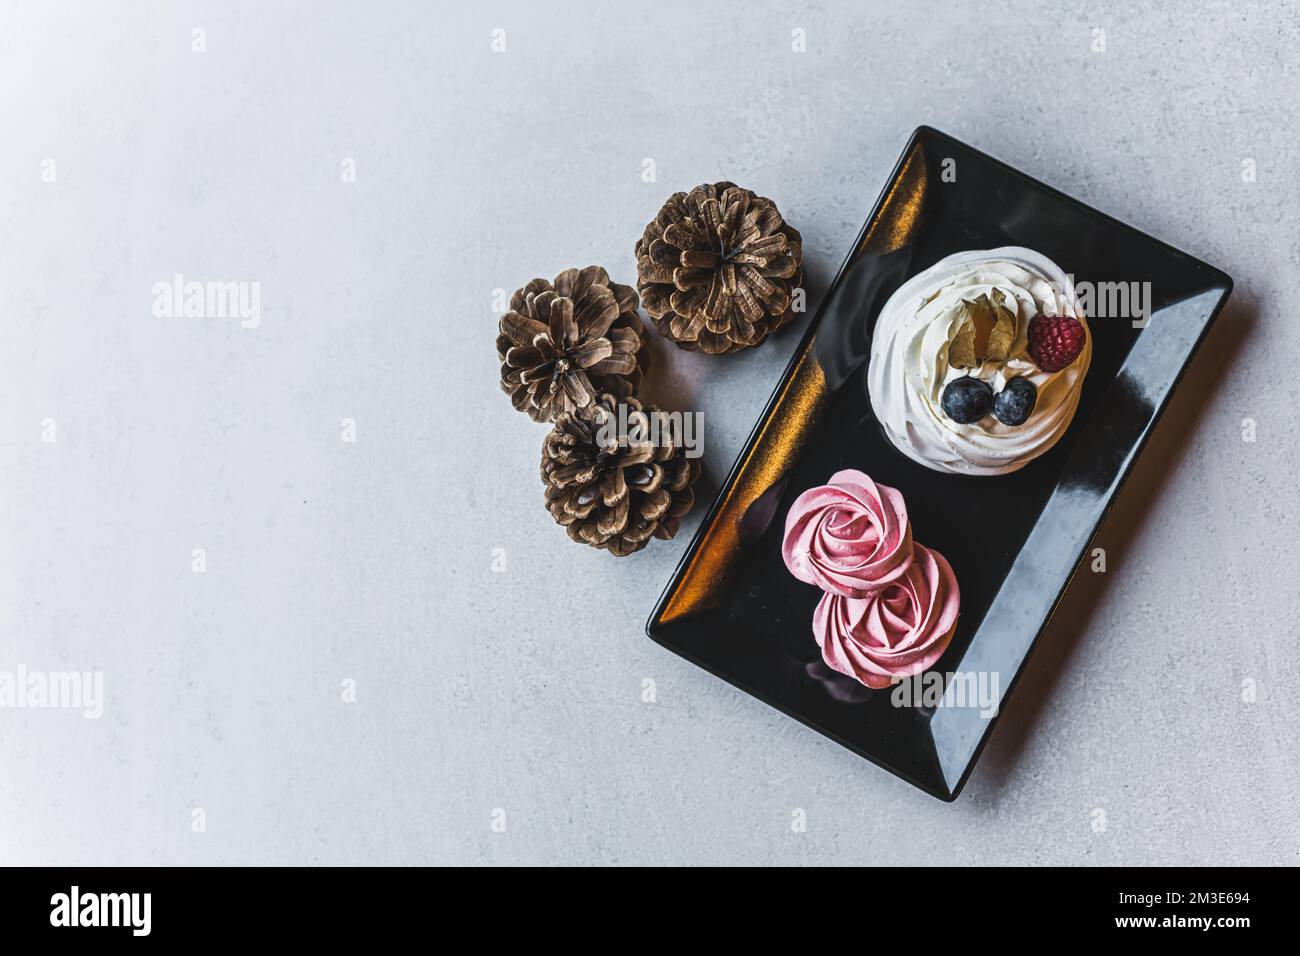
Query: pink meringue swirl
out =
(848, 537)
(895, 632)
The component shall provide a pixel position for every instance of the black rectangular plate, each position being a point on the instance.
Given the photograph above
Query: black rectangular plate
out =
(734, 609)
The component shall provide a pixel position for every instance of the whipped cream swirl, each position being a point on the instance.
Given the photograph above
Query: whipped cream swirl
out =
(909, 362)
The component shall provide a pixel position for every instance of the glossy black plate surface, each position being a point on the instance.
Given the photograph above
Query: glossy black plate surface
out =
(1014, 541)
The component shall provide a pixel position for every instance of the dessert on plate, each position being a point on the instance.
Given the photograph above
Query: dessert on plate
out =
(898, 631)
(978, 362)
(889, 605)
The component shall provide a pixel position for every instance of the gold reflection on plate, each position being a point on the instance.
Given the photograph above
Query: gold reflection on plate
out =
(793, 413)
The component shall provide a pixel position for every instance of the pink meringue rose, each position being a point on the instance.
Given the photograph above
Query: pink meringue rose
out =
(848, 537)
(898, 631)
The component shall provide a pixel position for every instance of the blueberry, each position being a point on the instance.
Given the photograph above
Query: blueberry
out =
(1014, 404)
(966, 400)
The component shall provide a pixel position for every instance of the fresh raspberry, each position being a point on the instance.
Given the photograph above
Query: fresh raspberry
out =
(1055, 340)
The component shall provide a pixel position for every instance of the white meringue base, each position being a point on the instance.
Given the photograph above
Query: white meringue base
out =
(909, 362)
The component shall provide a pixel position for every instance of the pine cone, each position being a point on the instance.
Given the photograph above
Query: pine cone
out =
(562, 345)
(716, 268)
(614, 494)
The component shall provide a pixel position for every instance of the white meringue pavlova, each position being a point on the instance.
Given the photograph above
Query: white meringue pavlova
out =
(910, 361)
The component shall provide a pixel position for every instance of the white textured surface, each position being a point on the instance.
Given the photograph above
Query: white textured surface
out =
(373, 561)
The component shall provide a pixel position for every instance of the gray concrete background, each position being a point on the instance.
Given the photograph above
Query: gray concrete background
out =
(372, 561)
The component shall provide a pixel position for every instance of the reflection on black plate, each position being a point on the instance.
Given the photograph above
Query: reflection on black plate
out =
(1013, 540)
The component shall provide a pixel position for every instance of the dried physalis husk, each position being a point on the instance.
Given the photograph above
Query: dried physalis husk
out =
(986, 331)
(961, 351)
(1003, 333)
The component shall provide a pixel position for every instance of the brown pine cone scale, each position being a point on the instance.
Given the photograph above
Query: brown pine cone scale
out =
(563, 343)
(611, 490)
(717, 268)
